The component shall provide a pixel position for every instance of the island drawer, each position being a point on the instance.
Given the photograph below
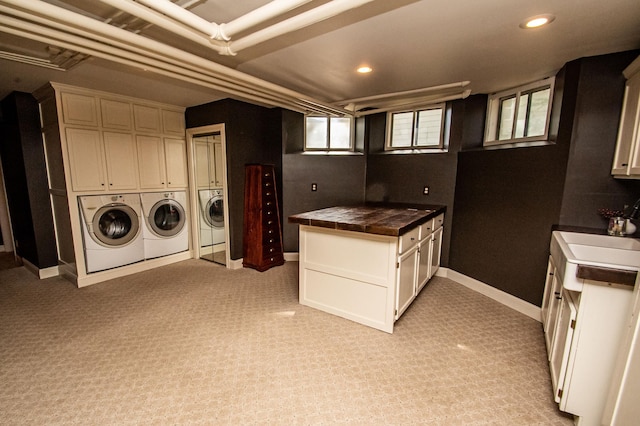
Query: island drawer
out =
(408, 240)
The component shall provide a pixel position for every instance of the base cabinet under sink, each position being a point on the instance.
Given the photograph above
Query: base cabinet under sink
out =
(583, 331)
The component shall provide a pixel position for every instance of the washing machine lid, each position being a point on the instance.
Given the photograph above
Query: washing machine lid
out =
(167, 218)
(115, 225)
(214, 212)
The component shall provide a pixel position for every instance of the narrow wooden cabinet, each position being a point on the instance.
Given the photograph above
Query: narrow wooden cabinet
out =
(262, 234)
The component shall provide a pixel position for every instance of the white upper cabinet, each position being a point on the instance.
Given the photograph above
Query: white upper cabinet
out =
(626, 161)
(114, 143)
(151, 162)
(175, 153)
(116, 114)
(120, 153)
(101, 161)
(79, 109)
(173, 122)
(147, 119)
(86, 160)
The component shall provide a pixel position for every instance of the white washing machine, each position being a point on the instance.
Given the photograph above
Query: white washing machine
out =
(111, 230)
(211, 217)
(165, 229)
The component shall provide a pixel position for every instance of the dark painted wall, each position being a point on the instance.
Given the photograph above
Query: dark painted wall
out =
(507, 200)
(252, 136)
(589, 185)
(340, 178)
(25, 177)
(401, 177)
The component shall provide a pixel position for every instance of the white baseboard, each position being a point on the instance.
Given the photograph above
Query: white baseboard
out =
(40, 273)
(291, 257)
(235, 264)
(500, 296)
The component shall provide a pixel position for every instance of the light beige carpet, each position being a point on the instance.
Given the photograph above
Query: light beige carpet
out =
(195, 343)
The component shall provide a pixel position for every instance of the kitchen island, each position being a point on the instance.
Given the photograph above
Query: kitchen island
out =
(367, 263)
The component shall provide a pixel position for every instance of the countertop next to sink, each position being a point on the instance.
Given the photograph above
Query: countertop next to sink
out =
(373, 218)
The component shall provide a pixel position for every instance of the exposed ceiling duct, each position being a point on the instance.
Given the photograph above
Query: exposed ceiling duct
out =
(72, 31)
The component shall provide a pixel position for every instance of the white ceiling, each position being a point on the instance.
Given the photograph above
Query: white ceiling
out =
(410, 44)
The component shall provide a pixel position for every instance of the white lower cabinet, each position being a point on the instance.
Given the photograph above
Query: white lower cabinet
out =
(435, 251)
(583, 331)
(418, 261)
(368, 278)
(406, 287)
(550, 304)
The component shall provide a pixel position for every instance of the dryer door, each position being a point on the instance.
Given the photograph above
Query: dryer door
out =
(115, 225)
(167, 218)
(214, 212)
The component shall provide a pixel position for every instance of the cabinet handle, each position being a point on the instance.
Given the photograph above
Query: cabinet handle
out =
(625, 164)
(557, 293)
(558, 297)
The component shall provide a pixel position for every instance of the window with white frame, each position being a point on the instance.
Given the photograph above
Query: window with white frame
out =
(418, 129)
(324, 133)
(520, 114)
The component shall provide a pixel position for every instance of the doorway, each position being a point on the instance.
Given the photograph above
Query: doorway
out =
(210, 213)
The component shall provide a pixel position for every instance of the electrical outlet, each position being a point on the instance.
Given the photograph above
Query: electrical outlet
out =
(425, 190)
(314, 187)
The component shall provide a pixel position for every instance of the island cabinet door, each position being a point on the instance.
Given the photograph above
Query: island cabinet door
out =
(424, 263)
(406, 280)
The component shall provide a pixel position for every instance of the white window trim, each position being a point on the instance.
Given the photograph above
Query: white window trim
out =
(329, 149)
(493, 110)
(413, 148)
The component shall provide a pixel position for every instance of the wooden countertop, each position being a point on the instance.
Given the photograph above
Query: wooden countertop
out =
(372, 218)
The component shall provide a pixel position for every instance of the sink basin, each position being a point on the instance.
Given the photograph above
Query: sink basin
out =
(570, 249)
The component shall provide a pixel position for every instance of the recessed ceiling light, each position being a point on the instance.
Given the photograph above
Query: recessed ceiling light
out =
(364, 69)
(537, 21)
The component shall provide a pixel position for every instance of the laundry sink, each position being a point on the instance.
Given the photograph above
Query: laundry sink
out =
(570, 249)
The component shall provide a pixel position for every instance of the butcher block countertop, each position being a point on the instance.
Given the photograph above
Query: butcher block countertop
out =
(372, 218)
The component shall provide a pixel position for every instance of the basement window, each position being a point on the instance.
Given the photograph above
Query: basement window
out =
(520, 114)
(323, 133)
(417, 129)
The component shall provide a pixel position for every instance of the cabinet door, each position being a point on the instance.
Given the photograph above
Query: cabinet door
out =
(201, 153)
(121, 156)
(86, 160)
(173, 122)
(555, 299)
(79, 109)
(146, 119)
(151, 162)
(548, 291)
(176, 162)
(424, 262)
(436, 251)
(559, 358)
(116, 114)
(406, 280)
(626, 159)
(218, 164)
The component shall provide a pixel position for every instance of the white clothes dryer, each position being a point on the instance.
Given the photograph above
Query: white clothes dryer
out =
(211, 203)
(111, 230)
(165, 229)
